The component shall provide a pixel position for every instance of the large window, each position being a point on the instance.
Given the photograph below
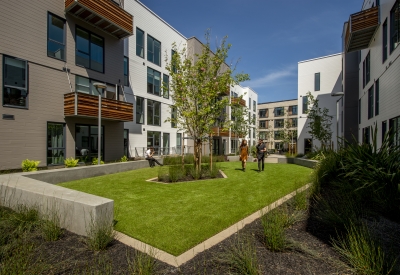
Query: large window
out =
(234, 146)
(153, 81)
(263, 113)
(279, 111)
(317, 81)
(85, 85)
(366, 135)
(86, 142)
(250, 104)
(173, 66)
(395, 26)
(278, 123)
(394, 128)
(153, 50)
(262, 124)
(139, 42)
(293, 110)
(254, 119)
(384, 42)
(371, 102)
(165, 86)
(126, 71)
(173, 116)
(366, 69)
(294, 122)
(278, 135)
(153, 112)
(15, 84)
(377, 97)
(305, 104)
(55, 143)
(89, 50)
(254, 106)
(154, 140)
(139, 110)
(56, 37)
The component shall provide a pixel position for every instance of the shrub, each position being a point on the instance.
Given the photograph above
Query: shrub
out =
(363, 251)
(100, 233)
(71, 162)
(142, 263)
(29, 165)
(124, 159)
(95, 161)
(241, 256)
(274, 224)
(299, 155)
(25, 218)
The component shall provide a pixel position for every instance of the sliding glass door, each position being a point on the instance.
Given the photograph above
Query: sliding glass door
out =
(55, 143)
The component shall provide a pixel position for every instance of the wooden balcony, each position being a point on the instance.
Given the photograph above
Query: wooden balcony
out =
(361, 28)
(218, 132)
(103, 14)
(238, 100)
(84, 105)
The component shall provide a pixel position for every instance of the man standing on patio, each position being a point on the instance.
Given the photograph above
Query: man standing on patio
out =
(260, 154)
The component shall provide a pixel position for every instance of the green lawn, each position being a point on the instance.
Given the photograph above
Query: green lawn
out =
(176, 217)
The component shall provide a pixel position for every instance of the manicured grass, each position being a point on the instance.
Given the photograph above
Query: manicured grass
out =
(176, 217)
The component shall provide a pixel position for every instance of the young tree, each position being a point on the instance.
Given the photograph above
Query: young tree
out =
(198, 83)
(319, 121)
(288, 132)
(240, 123)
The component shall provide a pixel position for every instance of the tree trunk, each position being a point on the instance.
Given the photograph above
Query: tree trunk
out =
(197, 155)
(211, 147)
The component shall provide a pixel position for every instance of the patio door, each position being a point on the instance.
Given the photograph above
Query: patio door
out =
(165, 144)
(55, 143)
(86, 142)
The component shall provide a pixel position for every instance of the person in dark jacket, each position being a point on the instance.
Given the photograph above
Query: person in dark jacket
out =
(261, 149)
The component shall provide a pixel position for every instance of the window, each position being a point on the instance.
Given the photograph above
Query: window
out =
(395, 26)
(394, 126)
(173, 116)
(126, 71)
(234, 146)
(178, 143)
(263, 113)
(139, 42)
(153, 81)
(153, 112)
(293, 110)
(153, 50)
(359, 111)
(277, 135)
(86, 142)
(278, 123)
(294, 122)
(56, 37)
(89, 50)
(15, 89)
(154, 140)
(305, 104)
(262, 124)
(249, 103)
(55, 143)
(126, 143)
(384, 129)
(173, 65)
(366, 70)
(254, 106)
(165, 143)
(279, 111)
(139, 110)
(366, 135)
(384, 42)
(234, 95)
(249, 118)
(254, 133)
(165, 86)
(254, 119)
(85, 85)
(377, 97)
(317, 81)
(371, 102)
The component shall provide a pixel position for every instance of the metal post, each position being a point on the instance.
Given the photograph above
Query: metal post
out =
(99, 134)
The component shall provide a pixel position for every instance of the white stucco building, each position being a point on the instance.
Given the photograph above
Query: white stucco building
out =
(321, 77)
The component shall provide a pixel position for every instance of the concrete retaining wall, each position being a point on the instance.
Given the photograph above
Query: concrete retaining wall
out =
(75, 209)
(76, 173)
(303, 162)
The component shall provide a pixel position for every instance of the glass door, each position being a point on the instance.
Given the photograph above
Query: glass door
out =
(178, 143)
(126, 143)
(55, 143)
(165, 144)
(86, 142)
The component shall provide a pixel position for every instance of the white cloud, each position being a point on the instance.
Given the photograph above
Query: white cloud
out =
(272, 77)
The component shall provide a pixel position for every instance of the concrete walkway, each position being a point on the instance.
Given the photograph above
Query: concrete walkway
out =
(190, 254)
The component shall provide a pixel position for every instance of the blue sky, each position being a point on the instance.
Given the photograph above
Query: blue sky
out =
(268, 36)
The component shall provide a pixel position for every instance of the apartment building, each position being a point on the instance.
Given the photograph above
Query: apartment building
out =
(58, 60)
(372, 38)
(322, 77)
(275, 118)
(145, 58)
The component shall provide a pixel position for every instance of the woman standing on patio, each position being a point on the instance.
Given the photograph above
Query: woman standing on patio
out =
(244, 152)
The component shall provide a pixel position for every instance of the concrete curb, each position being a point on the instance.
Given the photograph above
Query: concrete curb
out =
(190, 254)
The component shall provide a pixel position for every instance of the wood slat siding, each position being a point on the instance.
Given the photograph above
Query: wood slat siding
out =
(361, 28)
(122, 20)
(88, 106)
(222, 133)
(242, 102)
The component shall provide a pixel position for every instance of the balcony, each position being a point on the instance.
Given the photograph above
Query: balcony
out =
(218, 132)
(103, 14)
(84, 105)
(361, 28)
(238, 100)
